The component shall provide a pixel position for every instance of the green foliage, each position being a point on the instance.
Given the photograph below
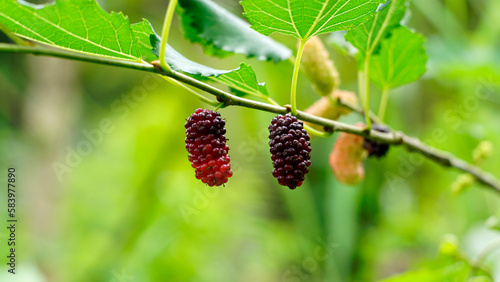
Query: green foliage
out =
(305, 19)
(396, 55)
(156, 220)
(144, 32)
(80, 26)
(243, 79)
(401, 59)
(221, 33)
(90, 28)
(365, 37)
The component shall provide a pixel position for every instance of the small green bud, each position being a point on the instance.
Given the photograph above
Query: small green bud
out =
(463, 182)
(449, 246)
(483, 151)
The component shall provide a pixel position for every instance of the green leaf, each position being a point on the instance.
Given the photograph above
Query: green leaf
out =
(401, 59)
(75, 25)
(243, 79)
(365, 36)
(221, 33)
(397, 55)
(142, 31)
(305, 19)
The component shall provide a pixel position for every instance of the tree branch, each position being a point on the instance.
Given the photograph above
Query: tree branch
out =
(394, 137)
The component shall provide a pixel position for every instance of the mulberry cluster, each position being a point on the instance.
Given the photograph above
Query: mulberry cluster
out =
(375, 148)
(206, 144)
(290, 150)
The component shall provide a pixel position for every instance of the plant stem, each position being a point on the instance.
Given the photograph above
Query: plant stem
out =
(164, 34)
(295, 77)
(383, 103)
(394, 137)
(201, 97)
(356, 109)
(318, 133)
(77, 56)
(365, 84)
(365, 74)
(219, 106)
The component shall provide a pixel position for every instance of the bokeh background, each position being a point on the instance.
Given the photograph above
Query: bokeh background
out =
(106, 193)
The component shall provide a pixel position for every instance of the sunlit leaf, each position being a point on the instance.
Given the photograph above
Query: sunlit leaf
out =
(401, 59)
(397, 55)
(77, 25)
(243, 79)
(364, 36)
(221, 33)
(142, 31)
(305, 19)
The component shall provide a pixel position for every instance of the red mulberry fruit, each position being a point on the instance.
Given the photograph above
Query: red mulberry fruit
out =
(290, 150)
(375, 148)
(206, 144)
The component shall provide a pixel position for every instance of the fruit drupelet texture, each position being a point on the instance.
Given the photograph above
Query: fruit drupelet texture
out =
(206, 144)
(374, 148)
(290, 150)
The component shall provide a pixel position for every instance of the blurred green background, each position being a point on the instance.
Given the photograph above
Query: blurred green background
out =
(128, 207)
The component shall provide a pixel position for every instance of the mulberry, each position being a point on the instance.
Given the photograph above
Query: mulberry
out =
(290, 150)
(206, 144)
(375, 148)
(346, 158)
(318, 66)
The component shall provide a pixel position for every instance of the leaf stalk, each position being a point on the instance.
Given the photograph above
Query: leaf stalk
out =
(383, 103)
(295, 77)
(167, 22)
(365, 90)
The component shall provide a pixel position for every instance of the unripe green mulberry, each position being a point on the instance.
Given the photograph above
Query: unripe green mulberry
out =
(317, 65)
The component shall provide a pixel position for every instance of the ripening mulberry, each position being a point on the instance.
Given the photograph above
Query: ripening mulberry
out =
(290, 150)
(375, 148)
(347, 156)
(206, 144)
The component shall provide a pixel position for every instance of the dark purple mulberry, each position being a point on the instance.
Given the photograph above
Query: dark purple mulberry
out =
(290, 150)
(375, 148)
(206, 144)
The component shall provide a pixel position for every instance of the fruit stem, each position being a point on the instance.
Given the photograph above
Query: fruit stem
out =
(295, 77)
(164, 34)
(383, 103)
(221, 104)
(318, 133)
